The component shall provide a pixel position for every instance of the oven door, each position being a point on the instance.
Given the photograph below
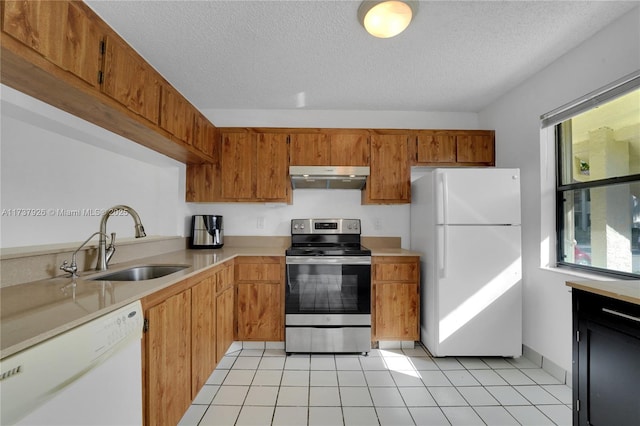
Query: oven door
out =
(328, 290)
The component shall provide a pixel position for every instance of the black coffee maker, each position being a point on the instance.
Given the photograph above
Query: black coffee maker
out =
(206, 231)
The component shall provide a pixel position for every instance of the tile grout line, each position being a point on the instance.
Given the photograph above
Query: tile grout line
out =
(396, 386)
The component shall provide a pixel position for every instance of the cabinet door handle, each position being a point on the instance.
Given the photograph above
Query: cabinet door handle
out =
(620, 314)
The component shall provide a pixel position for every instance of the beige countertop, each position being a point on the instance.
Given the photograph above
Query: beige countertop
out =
(627, 290)
(393, 252)
(33, 312)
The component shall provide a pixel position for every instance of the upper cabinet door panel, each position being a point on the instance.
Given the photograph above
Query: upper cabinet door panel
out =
(349, 149)
(60, 31)
(204, 137)
(176, 115)
(310, 150)
(272, 165)
(81, 54)
(38, 24)
(436, 148)
(390, 178)
(130, 80)
(236, 166)
(476, 148)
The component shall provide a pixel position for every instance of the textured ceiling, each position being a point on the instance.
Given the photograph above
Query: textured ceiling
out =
(456, 56)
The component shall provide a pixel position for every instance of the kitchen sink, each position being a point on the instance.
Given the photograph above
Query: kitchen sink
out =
(141, 273)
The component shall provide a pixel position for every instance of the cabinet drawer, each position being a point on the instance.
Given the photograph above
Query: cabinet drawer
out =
(395, 272)
(619, 314)
(224, 278)
(259, 272)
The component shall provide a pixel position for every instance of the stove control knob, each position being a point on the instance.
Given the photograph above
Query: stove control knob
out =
(302, 226)
(295, 226)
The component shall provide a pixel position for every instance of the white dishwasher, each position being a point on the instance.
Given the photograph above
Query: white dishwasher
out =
(89, 375)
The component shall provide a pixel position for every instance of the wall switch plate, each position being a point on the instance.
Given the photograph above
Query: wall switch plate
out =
(260, 222)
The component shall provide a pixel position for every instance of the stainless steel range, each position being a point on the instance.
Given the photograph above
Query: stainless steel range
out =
(328, 294)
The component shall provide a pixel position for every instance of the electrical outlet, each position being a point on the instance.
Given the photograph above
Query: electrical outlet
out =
(377, 224)
(260, 222)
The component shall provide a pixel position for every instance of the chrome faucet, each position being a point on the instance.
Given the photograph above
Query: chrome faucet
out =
(73, 268)
(104, 253)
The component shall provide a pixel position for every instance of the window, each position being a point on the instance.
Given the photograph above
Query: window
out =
(598, 182)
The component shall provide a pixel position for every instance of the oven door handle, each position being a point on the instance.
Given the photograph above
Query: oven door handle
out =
(328, 260)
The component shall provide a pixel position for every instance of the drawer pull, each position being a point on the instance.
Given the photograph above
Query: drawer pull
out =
(620, 314)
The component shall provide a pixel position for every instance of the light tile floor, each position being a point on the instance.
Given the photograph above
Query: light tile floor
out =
(389, 387)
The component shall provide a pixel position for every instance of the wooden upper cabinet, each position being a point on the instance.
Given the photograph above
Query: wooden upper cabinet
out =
(38, 24)
(436, 147)
(204, 135)
(253, 167)
(310, 149)
(454, 148)
(130, 80)
(177, 116)
(330, 148)
(62, 32)
(237, 154)
(82, 39)
(390, 179)
(349, 149)
(202, 183)
(476, 147)
(272, 167)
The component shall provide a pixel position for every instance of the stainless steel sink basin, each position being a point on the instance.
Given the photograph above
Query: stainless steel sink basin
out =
(140, 273)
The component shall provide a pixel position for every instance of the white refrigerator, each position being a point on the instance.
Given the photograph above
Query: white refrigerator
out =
(466, 225)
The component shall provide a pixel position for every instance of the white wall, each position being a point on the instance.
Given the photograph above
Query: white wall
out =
(52, 161)
(242, 219)
(343, 119)
(609, 55)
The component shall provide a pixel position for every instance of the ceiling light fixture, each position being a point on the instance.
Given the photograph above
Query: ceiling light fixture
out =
(387, 18)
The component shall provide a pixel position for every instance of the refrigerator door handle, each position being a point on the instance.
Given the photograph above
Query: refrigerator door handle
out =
(442, 251)
(445, 199)
(445, 221)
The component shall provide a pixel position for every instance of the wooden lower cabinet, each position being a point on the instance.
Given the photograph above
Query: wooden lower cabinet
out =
(259, 311)
(167, 360)
(224, 322)
(395, 298)
(260, 299)
(203, 332)
(225, 309)
(189, 327)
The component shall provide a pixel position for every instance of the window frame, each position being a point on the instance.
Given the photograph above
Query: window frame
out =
(555, 118)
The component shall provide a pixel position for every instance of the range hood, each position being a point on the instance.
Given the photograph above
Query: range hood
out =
(328, 177)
